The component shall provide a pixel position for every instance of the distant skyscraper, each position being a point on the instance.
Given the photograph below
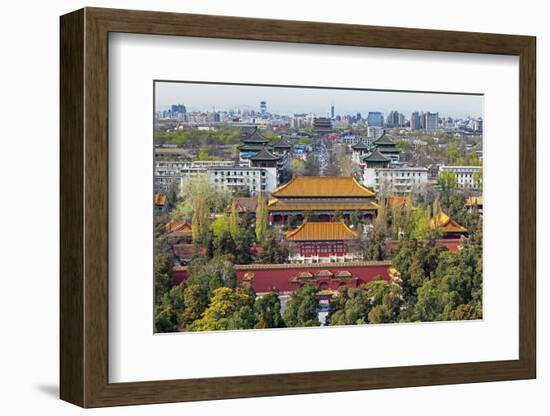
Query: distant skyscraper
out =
(332, 111)
(416, 122)
(178, 111)
(263, 108)
(375, 118)
(431, 121)
(395, 119)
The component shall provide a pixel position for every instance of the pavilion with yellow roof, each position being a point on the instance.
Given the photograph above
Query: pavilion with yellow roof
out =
(321, 198)
(448, 227)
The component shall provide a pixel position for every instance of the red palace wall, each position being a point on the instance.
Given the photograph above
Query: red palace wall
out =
(277, 277)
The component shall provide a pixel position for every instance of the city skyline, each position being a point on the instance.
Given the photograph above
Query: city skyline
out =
(291, 100)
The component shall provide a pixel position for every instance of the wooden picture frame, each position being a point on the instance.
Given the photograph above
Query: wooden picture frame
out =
(84, 207)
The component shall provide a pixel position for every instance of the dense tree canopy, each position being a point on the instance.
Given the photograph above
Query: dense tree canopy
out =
(301, 310)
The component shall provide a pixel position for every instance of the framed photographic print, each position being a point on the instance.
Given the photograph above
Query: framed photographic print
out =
(255, 207)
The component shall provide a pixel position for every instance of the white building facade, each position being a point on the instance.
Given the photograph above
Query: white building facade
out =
(395, 181)
(466, 176)
(171, 175)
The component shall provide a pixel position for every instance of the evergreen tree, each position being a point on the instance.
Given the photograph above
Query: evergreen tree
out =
(301, 310)
(268, 311)
(273, 251)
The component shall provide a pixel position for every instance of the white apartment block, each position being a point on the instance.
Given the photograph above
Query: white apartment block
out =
(396, 181)
(254, 179)
(465, 175)
(171, 174)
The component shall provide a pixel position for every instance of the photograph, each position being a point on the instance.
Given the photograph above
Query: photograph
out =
(282, 206)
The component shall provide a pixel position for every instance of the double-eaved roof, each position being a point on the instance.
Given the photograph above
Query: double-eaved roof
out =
(383, 140)
(376, 156)
(446, 224)
(322, 187)
(253, 137)
(321, 231)
(360, 145)
(264, 154)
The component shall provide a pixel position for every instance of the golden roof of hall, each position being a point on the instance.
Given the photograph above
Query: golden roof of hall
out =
(321, 231)
(322, 187)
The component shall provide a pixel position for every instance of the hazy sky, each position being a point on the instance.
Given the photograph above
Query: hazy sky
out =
(287, 101)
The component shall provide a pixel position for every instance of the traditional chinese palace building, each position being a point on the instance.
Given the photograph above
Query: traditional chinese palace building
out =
(322, 242)
(387, 147)
(321, 198)
(259, 152)
(448, 227)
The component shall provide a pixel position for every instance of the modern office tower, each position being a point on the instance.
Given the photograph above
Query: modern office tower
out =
(395, 119)
(375, 118)
(178, 111)
(332, 111)
(431, 122)
(416, 121)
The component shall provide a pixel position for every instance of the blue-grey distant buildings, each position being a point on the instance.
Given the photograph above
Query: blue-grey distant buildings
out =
(375, 118)
(431, 122)
(416, 121)
(395, 119)
(178, 111)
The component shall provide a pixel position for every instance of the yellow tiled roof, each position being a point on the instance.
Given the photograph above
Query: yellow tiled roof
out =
(175, 225)
(398, 202)
(323, 205)
(321, 231)
(474, 200)
(160, 199)
(446, 224)
(322, 186)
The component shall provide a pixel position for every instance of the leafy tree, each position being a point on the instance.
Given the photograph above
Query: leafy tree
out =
(378, 301)
(234, 221)
(478, 180)
(170, 307)
(312, 166)
(466, 312)
(243, 240)
(268, 311)
(195, 299)
(212, 274)
(452, 152)
(203, 154)
(420, 223)
(376, 242)
(224, 244)
(219, 226)
(447, 180)
(200, 219)
(164, 278)
(261, 218)
(273, 251)
(198, 191)
(432, 302)
(297, 167)
(228, 309)
(301, 310)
